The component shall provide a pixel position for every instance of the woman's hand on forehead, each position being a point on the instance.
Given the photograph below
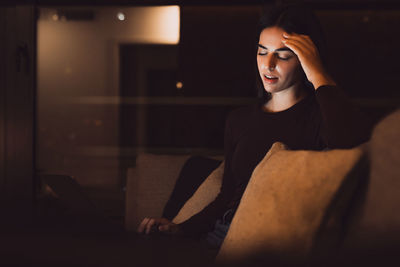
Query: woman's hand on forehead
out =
(309, 58)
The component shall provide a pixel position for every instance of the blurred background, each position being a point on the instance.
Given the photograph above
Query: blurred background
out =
(115, 81)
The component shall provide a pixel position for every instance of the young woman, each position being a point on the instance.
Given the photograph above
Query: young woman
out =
(302, 107)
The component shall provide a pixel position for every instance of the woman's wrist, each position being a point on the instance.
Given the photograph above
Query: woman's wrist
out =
(321, 80)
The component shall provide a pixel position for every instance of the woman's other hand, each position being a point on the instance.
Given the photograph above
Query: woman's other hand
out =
(163, 225)
(309, 58)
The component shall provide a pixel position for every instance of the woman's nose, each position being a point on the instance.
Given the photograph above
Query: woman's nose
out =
(270, 62)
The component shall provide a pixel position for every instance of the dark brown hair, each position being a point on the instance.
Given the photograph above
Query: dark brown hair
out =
(292, 18)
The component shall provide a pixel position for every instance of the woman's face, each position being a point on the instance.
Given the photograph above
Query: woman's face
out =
(278, 66)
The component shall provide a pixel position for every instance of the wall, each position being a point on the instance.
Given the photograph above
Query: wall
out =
(78, 63)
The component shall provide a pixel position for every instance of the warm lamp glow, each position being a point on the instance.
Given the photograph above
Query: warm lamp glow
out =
(179, 85)
(165, 23)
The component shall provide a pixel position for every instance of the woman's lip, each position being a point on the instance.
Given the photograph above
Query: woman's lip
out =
(271, 81)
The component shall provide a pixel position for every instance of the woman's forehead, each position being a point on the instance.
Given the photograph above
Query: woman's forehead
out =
(271, 39)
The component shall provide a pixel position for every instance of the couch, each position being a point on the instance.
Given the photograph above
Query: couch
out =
(299, 206)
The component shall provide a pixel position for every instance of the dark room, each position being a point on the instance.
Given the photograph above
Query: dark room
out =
(199, 133)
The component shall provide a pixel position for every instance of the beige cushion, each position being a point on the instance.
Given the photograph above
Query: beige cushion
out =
(383, 196)
(285, 201)
(379, 218)
(204, 195)
(149, 185)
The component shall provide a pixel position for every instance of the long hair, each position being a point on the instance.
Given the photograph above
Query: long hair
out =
(292, 18)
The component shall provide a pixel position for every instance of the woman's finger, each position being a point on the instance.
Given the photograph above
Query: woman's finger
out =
(305, 40)
(170, 228)
(297, 36)
(149, 225)
(301, 43)
(295, 47)
(164, 228)
(143, 224)
(303, 51)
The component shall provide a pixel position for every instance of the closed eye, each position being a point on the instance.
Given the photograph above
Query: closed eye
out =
(281, 57)
(282, 53)
(262, 52)
(284, 57)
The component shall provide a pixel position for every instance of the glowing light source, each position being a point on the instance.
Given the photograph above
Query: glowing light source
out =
(163, 23)
(179, 85)
(121, 16)
(55, 17)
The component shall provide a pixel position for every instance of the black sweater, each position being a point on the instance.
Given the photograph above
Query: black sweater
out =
(322, 120)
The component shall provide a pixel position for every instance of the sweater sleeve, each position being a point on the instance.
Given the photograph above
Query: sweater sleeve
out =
(204, 221)
(195, 170)
(343, 124)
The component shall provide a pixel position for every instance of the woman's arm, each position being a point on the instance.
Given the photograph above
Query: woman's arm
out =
(204, 221)
(148, 225)
(200, 223)
(195, 170)
(343, 124)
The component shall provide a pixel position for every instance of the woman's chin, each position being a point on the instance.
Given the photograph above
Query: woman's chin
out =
(270, 90)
